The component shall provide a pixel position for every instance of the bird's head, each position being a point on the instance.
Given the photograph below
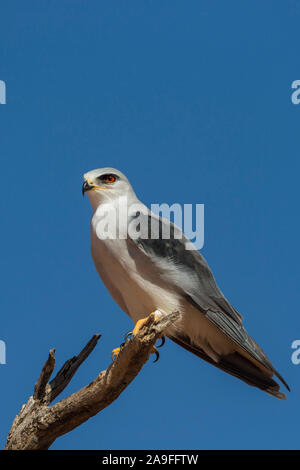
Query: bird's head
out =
(106, 184)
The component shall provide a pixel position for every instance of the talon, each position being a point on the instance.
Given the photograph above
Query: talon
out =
(139, 325)
(154, 351)
(163, 340)
(128, 335)
(115, 352)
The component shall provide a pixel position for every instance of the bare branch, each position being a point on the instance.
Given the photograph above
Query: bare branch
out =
(38, 425)
(40, 386)
(65, 374)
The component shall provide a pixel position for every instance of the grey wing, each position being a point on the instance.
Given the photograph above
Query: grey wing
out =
(195, 281)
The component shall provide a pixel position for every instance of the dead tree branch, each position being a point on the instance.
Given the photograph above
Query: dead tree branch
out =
(38, 424)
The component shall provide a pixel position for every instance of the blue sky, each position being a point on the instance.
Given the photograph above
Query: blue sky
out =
(192, 101)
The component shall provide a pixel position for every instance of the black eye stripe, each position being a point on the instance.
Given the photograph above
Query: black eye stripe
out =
(108, 175)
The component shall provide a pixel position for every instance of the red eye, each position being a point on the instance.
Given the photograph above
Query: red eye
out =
(110, 179)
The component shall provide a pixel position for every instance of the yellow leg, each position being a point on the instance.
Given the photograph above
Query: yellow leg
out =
(144, 321)
(138, 326)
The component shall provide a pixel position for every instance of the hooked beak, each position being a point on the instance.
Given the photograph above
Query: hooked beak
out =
(86, 187)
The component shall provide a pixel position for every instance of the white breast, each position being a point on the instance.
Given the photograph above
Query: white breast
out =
(140, 293)
(119, 271)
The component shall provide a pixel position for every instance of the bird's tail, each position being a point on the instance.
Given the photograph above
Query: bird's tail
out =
(236, 365)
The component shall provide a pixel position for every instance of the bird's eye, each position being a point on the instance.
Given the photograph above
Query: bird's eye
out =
(109, 178)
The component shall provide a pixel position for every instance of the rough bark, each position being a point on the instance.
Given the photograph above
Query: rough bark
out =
(38, 424)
